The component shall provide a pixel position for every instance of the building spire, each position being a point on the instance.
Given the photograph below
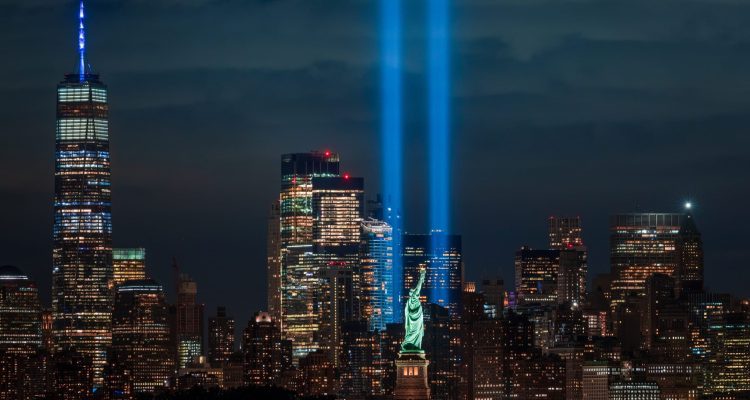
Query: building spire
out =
(81, 44)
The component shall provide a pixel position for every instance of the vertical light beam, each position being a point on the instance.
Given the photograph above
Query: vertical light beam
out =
(439, 135)
(391, 134)
(81, 44)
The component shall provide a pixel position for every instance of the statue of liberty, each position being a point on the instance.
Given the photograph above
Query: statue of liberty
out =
(413, 320)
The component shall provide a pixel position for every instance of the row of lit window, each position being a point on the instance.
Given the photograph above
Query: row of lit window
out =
(81, 93)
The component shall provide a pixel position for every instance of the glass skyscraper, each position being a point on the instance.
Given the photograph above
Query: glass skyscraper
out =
(82, 251)
(299, 319)
(444, 263)
(297, 173)
(376, 263)
(338, 210)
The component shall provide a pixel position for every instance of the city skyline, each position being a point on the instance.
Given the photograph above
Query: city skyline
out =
(199, 239)
(383, 281)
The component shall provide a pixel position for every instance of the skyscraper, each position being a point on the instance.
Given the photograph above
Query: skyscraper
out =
(20, 334)
(565, 235)
(376, 262)
(187, 317)
(483, 357)
(299, 278)
(517, 349)
(128, 265)
(642, 245)
(140, 358)
(266, 355)
(220, 338)
(690, 263)
(441, 350)
(339, 303)
(564, 232)
(297, 173)
(536, 275)
(571, 276)
(20, 313)
(82, 250)
(361, 362)
(729, 361)
(443, 284)
(338, 209)
(273, 262)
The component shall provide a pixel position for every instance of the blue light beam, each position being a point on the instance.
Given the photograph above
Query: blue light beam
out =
(391, 133)
(439, 133)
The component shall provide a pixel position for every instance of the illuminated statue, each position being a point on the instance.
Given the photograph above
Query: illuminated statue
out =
(413, 321)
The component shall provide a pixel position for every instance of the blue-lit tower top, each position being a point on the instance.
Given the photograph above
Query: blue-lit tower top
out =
(81, 43)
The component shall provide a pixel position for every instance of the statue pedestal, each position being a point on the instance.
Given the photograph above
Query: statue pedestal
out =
(411, 377)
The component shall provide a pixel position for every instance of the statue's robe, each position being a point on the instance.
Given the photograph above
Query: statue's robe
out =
(414, 325)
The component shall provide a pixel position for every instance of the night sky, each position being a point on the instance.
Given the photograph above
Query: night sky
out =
(576, 107)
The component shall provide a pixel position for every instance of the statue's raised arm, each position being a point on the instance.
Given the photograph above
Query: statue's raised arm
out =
(420, 282)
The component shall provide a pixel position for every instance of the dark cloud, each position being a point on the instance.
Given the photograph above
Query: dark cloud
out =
(581, 107)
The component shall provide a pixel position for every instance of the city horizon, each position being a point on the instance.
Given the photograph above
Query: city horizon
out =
(445, 138)
(140, 199)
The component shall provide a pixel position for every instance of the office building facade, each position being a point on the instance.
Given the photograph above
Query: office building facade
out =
(220, 338)
(187, 319)
(273, 261)
(642, 245)
(444, 280)
(537, 275)
(140, 358)
(266, 355)
(299, 267)
(20, 313)
(128, 265)
(376, 263)
(564, 232)
(82, 233)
